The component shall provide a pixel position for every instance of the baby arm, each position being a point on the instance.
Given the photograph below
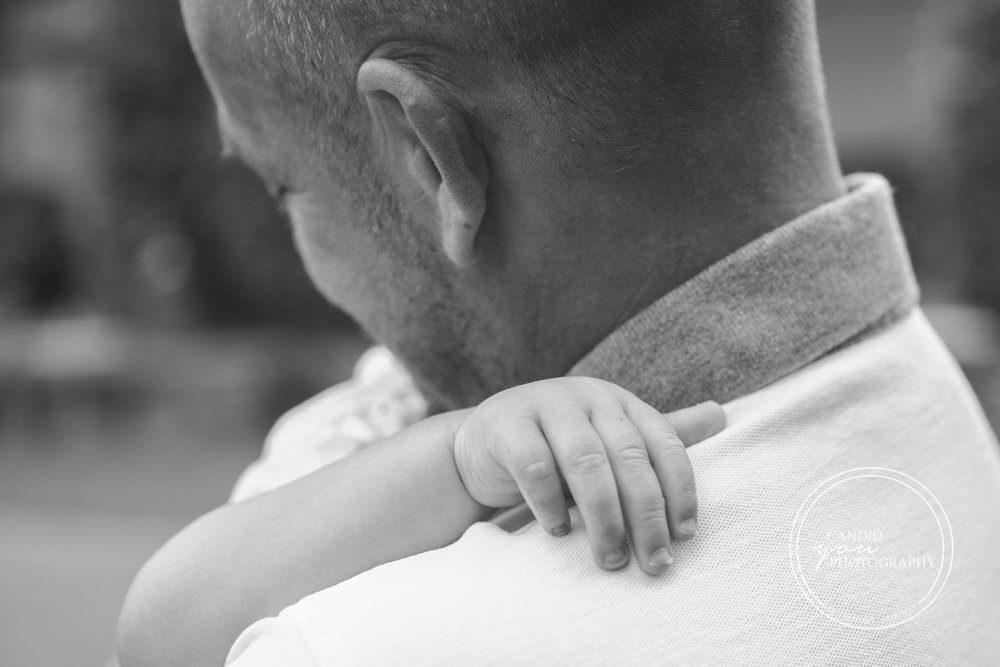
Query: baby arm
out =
(620, 459)
(394, 499)
(246, 561)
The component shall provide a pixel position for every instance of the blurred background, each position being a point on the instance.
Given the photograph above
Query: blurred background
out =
(155, 321)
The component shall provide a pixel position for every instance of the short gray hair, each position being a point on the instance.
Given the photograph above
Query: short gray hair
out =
(609, 67)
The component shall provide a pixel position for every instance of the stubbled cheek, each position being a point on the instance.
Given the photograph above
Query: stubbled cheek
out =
(312, 229)
(342, 266)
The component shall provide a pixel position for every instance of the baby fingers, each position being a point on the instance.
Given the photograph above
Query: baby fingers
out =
(530, 462)
(638, 487)
(583, 460)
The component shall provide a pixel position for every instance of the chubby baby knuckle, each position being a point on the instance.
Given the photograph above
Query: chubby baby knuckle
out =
(683, 494)
(605, 510)
(688, 490)
(587, 462)
(507, 425)
(631, 450)
(599, 385)
(550, 388)
(548, 505)
(676, 457)
(534, 470)
(652, 515)
(515, 441)
(493, 404)
(667, 439)
(583, 389)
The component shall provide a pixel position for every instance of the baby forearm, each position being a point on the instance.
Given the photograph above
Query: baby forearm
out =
(246, 561)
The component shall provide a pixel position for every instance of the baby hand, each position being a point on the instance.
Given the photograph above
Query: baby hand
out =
(620, 458)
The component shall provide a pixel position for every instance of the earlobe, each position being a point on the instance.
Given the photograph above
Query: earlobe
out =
(438, 147)
(458, 228)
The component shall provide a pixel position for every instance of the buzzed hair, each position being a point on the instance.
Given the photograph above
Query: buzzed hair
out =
(617, 73)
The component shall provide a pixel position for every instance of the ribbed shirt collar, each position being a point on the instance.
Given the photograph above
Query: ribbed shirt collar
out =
(813, 285)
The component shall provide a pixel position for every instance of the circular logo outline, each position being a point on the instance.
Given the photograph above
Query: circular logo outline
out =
(936, 508)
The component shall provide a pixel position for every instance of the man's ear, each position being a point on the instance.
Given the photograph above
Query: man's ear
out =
(438, 148)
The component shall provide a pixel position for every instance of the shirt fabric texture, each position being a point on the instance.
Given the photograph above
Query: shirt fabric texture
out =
(811, 337)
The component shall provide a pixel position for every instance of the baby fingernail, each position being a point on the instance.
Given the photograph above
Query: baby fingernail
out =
(660, 558)
(560, 530)
(615, 558)
(689, 526)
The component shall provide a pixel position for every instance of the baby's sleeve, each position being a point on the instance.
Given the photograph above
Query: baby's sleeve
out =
(379, 400)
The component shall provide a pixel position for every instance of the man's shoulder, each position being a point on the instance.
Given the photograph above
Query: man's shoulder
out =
(887, 402)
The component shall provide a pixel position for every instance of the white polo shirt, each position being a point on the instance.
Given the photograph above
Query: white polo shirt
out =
(849, 514)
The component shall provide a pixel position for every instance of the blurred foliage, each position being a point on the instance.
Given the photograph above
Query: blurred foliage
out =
(113, 199)
(165, 232)
(33, 256)
(970, 103)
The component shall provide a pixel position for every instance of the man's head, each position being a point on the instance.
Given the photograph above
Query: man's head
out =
(490, 186)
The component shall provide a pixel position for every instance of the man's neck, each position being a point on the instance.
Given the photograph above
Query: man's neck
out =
(672, 227)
